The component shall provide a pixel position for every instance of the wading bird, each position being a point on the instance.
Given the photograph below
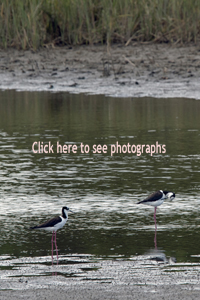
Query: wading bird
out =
(53, 225)
(157, 199)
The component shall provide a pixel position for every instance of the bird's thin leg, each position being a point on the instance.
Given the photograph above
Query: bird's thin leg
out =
(56, 247)
(155, 217)
(52, 247)
(155, 241)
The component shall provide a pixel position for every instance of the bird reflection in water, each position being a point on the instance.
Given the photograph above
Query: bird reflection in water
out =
(160, 257)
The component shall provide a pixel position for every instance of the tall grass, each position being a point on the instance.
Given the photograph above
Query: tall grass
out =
(33, 23)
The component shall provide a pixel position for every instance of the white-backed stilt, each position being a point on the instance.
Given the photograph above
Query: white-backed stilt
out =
(53, 225)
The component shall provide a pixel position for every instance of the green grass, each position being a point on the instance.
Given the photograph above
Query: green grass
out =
(35, 23)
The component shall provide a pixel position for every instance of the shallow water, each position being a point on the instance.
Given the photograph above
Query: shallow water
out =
(101, 189)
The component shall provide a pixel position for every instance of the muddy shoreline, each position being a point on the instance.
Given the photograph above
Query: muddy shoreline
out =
(139, 70)
(87, 277)
(95, 292)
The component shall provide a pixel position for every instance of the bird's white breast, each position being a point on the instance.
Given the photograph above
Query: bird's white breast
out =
(155, 203)
(60, 224)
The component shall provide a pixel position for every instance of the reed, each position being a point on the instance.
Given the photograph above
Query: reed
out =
(34, 23)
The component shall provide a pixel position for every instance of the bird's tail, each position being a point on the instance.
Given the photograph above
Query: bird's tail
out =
(35, 227)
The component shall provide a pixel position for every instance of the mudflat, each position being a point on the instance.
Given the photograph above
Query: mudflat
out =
(151, 276)
(138, 70)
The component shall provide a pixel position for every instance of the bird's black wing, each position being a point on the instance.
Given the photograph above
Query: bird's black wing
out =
(48, 223)
(153, 197)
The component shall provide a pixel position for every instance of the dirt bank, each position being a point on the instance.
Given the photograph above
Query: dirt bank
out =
(139, 70)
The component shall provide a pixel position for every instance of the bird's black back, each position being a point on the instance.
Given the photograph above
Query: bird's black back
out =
(153, 197)
(50, 223)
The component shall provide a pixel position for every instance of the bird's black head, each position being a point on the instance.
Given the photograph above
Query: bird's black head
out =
(65, 211)
(65, 208)
(169, 195)
(165, 192)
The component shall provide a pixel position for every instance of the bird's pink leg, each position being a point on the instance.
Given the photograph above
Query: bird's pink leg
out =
(52, 247)
(56, 248)
(155, 240)
(155, 217)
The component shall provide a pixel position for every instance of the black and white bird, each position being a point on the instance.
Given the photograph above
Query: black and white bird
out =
(157, 199)
(53, 225)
